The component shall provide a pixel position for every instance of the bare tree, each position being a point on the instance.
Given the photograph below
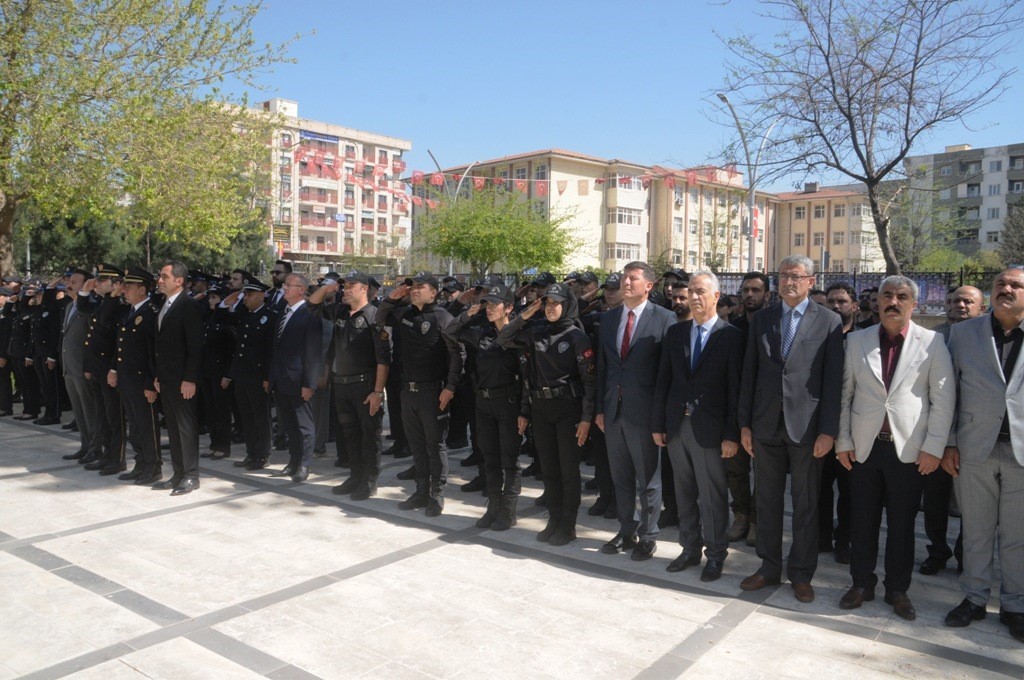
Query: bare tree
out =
(853, 84)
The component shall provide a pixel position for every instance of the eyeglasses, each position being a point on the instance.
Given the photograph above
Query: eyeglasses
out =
(794, 277)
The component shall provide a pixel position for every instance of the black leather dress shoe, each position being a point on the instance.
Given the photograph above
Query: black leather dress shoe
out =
(964, 613)
(208, 454)
(712, 571)
(171, 483)
(301, 474)
(77, 455)
(257, 464)
(685, 560)
(475, 484)
(148, 477)
(407, 474)
(88, 458)
(598, 508)
(1014, 621)
(47, 421)
(901, 604)
(113, 469)
(68, 426)
(348, 486)
(620, 543)
(286, 471)
(245, 462)
(932, 566)
(97, 464)
(187, 485)
(4, 414)
(644, 550)
(667, 520)
(856, 596)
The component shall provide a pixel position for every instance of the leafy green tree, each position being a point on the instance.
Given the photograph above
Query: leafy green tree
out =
(494, 227)
(1011, 241)
(851, 85)
(113, 111)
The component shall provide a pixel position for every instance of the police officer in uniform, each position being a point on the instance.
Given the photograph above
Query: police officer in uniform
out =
(20, 351)
(134, 373)
(218, 348)
(560, 372)
(431, 365)
(45, 348)
(498, 401)
(591, 317)
(6, 322)
(103, 305)
(254, 324)
(360, 361)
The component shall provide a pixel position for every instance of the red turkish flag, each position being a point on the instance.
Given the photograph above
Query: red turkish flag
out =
(691, 177)
(757, 214)
(478, 183)
(625, 180)
(731, 169)
(437, 179)
(499, 181)
(431, 203)
(670, 181)
(712, 173)
(520, 185)
(378, 171)
(645, 181)
(542, 187)
(360, 166)
(599, 180)
(397, 166)
(350, 178)
(416, 200)
(417, 177)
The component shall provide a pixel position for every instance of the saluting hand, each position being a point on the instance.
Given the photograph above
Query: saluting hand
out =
(474, 310)
(399, 292)
(532, 309)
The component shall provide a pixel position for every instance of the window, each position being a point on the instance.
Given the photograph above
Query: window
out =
(679, 195)
(677, 225)
(691, 256)
(819, 238)
(839, 238)
(995, 189)
(286, 214)
(946, 170)
(854, 238)
(707, 198)
(1017, 163)
(858, 209)
(540, 172)
(798, 240)
(693, 227)
(677, 257)
(520, 173)
(838, 266)
(992, 237)
(819, 212)
(1016, 187)
(974, 168)
(350, 151)
(944, 194)
(694, 197)
(622, 251)
(707, 227)
(760, 263)
(995, 166)
(721, 201)
(624, 216)
(973, 190)
(993, 213)
(799, 212)
(839, 210)
(286, 139)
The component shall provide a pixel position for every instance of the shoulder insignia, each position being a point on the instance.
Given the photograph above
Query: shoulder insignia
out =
(46, 314)
(563, 347)
(138, 320)
(588, 353)
(384, 335)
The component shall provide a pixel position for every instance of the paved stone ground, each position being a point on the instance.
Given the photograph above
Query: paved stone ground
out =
(254, 576)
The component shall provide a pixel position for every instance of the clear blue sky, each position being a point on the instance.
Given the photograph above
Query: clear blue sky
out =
(478, 80)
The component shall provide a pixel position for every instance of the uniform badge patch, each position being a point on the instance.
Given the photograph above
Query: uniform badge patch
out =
(263, 320)
(563, 347)
(384, 336)
(138, 320)
(46, 314)
(425, 327)
(588, 354)
(360, 322)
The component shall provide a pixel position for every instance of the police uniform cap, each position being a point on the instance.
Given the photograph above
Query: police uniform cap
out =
(453, 285)
(373, 283)
(543, 279)
(559, 292)
(105, 270)
(356, 276)
(422, 277)
(255, 286)
(71, 271)
(6, 292)
(12, 279)
(219, 291)
(612, 282)
(587, 277)
(571, 276)
(489, 281)
(678, 273)
(499, 293)
(139, 275)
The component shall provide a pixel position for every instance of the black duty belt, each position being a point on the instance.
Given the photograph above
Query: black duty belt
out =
(350, 379)
(1003, 437)
(495, 392)
(423, 386)
(885, 437)
(555, 392)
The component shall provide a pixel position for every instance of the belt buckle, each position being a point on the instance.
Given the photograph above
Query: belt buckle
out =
(546, 391)
(412, 387)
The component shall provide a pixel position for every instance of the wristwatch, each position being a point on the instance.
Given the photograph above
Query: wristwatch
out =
(380, 395)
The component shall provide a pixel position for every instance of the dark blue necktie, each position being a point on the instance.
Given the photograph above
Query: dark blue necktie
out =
(697, 348)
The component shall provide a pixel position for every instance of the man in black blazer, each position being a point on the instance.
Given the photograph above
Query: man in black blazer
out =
(696, 400)
(179, 356)
(789, 418)
(295, 367)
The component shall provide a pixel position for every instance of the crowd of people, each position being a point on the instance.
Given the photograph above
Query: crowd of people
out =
(688, 402)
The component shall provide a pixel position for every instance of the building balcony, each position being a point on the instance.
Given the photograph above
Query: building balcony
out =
(350, 202)
(368, 204)
(317, 223)
(382, 227)
(348, 226)
(328, 199)
(350, 155)
(382, 207)
(367, 225)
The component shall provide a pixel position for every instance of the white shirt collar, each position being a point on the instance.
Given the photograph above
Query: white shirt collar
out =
(136, 307)
(707, 325)
(637, 311)
(170, 300)
(294, 307)
(802, 307)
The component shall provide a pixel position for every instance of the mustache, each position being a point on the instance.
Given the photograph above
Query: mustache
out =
(892, 308)
(1005, 296)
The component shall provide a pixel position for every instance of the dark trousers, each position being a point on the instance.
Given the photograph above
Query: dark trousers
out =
(182, 430)
(426, 427)
(837, 533)
(323, 416)
(86, 412)
(636, 471)
(111, 420)
(668, 485)
(773, 456)
(497, 433)
(938, 487)
(602, 468)
(6, 388)
(702, 494)
(554, 435)
(295, 414)
(461, 410)
(141, 417)
(28, 384)
(254, 410)
(359, 430)
(217, 408)
(394, 397)
(737, 470)
(884, 482)
(48, 378)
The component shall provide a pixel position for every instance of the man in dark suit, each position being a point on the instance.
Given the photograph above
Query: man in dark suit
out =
(178, 350)
(294, 374)
(789, 418)
(695, 417)
(627, 367)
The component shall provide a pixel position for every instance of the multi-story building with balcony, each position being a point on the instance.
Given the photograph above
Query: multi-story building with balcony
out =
(622, 211)
(830, 225)
(336, 198)
(974, 188)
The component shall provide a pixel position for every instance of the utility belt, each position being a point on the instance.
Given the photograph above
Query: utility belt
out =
(433, 385)
(497, 392)
(352, 379)
(571, 390)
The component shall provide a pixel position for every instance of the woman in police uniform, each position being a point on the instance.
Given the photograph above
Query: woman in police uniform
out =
(560, 373)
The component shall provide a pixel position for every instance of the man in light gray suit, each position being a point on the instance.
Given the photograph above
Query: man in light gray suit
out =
(72, 360)
(985, 454)
(898, 401)
(789, 418)
(629, 351)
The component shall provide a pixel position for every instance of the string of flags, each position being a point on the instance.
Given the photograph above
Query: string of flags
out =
(379, 178)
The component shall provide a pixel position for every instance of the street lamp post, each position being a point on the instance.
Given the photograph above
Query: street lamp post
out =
(752, 165)
(454, 196)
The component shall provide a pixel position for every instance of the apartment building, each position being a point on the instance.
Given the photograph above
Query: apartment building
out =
(623, 211)
(336, 197)
(974, 188)
(830, 225)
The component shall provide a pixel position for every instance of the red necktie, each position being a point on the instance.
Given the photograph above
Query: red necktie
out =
(627, 335)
